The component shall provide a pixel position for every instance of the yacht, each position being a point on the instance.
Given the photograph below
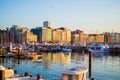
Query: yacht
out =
(98, 48)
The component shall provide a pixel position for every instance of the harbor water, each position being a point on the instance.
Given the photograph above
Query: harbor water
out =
(104, 66)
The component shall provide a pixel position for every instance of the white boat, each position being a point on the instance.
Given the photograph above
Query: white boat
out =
(75, 73)
(99, 48)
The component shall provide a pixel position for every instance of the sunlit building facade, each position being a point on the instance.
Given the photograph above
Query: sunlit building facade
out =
(57, 36)
(91, 38)
(4, 37)
(74, 38)
(44, 34)
(27, 37)
(81, 35)
(99, 38)
(78, 38)
(62, 36)
(15, 31)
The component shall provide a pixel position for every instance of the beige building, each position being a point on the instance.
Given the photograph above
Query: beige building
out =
(62, 35)
(27, 37)
(81, 36)
(75, 38)
(57, 35)
(91, 38)
(99, 38)
(78, 37)
(96, 38)
(85, 38)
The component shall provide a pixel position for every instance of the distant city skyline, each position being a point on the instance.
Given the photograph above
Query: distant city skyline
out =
(90, 16)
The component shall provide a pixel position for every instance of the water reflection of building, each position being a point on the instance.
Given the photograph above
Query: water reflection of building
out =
(57, 58)
(61, 58)
(76, 56)
(46, 59)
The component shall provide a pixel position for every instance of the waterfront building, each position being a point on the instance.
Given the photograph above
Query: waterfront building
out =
(85, 39)
(27, 37)
(57, 35)
(46, 24)
(15, 31)
(74, 38)
(115, 38)
(99, 38)
(68, 36)
(111, 37)
(37, 31)
(81, 36)
(4, 37)
(107, 37)
(91, 38)
(44, 34)
(119, 38)
(62, 36)
(78, 37)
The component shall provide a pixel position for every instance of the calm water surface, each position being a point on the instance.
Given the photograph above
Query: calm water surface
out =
(104, 66)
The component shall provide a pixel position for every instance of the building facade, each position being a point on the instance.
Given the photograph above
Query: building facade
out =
(15, 31)
(46, 24)
(44, 34)
(78, 38)
(62, 36)
(99, 38)
(27, 37)
(4, 37)
(74, 38)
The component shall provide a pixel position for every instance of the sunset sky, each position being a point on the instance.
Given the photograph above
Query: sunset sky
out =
(90, 16)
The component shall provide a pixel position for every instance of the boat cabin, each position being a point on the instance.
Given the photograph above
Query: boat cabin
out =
(76, 73)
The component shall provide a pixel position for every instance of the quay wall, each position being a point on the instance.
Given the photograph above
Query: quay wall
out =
(115, 50)
(80, 49)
